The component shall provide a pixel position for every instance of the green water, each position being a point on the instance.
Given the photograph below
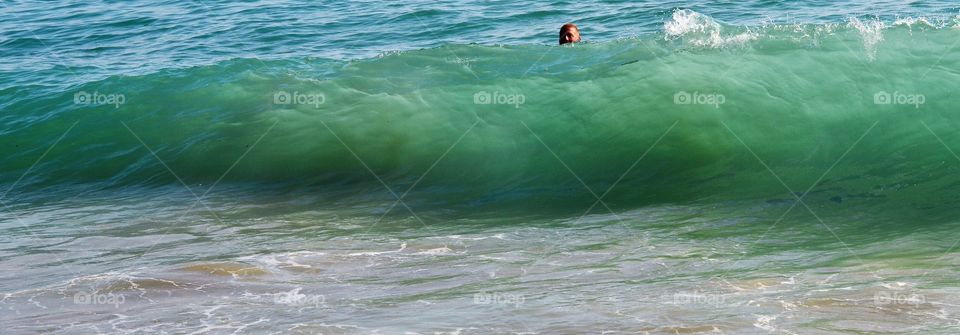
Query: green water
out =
(702, 177)
(802, 99)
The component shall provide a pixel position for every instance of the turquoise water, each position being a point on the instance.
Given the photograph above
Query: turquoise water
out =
(370, 168)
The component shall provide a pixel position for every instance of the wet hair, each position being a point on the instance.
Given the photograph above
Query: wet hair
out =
(565, 27)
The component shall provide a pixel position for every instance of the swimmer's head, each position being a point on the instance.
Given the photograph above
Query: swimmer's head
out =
(569, 33)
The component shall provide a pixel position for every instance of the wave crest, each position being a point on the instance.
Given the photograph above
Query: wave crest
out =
(702, 31)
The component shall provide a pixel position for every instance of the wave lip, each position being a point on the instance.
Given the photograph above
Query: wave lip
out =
(702, 30)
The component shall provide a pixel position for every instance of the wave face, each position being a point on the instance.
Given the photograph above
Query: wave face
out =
(856, 112)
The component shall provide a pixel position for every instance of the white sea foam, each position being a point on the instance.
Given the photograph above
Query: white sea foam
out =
(910, 22)
(686, 21)
(702, 31)
(871, 32)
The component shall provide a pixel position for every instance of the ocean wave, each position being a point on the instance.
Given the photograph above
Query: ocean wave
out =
(702, 30)
(707, 106)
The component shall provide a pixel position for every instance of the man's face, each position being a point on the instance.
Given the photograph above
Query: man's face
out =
(569, 35)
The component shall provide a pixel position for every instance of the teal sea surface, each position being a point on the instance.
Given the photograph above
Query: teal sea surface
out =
(434, 167)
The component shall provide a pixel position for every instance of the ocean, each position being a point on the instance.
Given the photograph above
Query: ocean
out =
(437, 167)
